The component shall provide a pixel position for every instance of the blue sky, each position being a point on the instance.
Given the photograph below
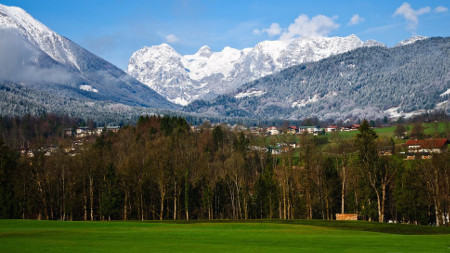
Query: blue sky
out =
(115, 29)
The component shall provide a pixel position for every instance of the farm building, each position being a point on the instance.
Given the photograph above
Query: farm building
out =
(427, 146)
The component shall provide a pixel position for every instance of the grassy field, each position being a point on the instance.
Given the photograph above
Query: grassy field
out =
(219, 236)
(388, 132)
(430, 129)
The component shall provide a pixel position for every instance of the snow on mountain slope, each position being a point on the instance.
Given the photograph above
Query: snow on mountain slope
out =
(411, 40)
(205, 74)
(373, 43)
(38, 34)
(163, 64)
(34, 55)
(368, 82)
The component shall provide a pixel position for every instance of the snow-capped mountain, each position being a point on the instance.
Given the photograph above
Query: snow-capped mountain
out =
(368, 82)
(37, 34)
(37, 57)
(205, 74)
(411, 40)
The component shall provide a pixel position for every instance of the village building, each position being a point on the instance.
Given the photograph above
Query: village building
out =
(99, 130)
(353, 127)
(309, 129)
(82, 132)
(330, 129)
(273, 130)
(292, 130)
(426, 147)
(113, 129)
(256, 130)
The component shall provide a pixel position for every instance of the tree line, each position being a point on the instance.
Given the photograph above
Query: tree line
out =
(161, 169)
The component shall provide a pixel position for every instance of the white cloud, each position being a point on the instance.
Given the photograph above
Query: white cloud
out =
(356, 19)
(273, 30)
(303, 26)
(172, 38)
(411, 15)
(256, 32)
(440, 9)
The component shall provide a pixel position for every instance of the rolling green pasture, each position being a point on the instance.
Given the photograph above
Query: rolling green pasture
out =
(383, 132)
(220, 236)
(388, 132)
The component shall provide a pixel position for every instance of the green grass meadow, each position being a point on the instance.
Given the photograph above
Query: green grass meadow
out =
(430, 129)
(220, 236)
(388, 132)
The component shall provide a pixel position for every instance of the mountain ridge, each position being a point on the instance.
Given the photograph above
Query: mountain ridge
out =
(36, 56)
(366, 82)
(206, 74)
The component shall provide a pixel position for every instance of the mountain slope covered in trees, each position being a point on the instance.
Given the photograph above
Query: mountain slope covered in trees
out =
(366, 82)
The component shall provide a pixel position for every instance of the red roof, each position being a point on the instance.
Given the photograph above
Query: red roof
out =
(293, 127)
(430, 143)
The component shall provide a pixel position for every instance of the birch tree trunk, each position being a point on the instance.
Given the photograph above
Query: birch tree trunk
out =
(44, 200)
(436, 212)
(175, 200)
(238, 193)
(383, 200)
(91, 195)
(63, 195)
(85, 202)
(125, 206)
(284, 200)
(343, 190)
(186, 195)
(380, 215)
(141, 198)
(163, 196)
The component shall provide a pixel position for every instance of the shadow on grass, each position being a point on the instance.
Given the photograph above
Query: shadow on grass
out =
(401, 229)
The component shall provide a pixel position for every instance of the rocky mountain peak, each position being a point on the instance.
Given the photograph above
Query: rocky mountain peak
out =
(204, 51)
(207, 73)
(411, 40)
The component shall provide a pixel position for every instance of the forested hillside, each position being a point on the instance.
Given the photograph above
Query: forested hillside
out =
(18, 100)
(365, 82)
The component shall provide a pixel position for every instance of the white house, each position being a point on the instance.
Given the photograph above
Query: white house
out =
(273, 131)
(330, 129)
